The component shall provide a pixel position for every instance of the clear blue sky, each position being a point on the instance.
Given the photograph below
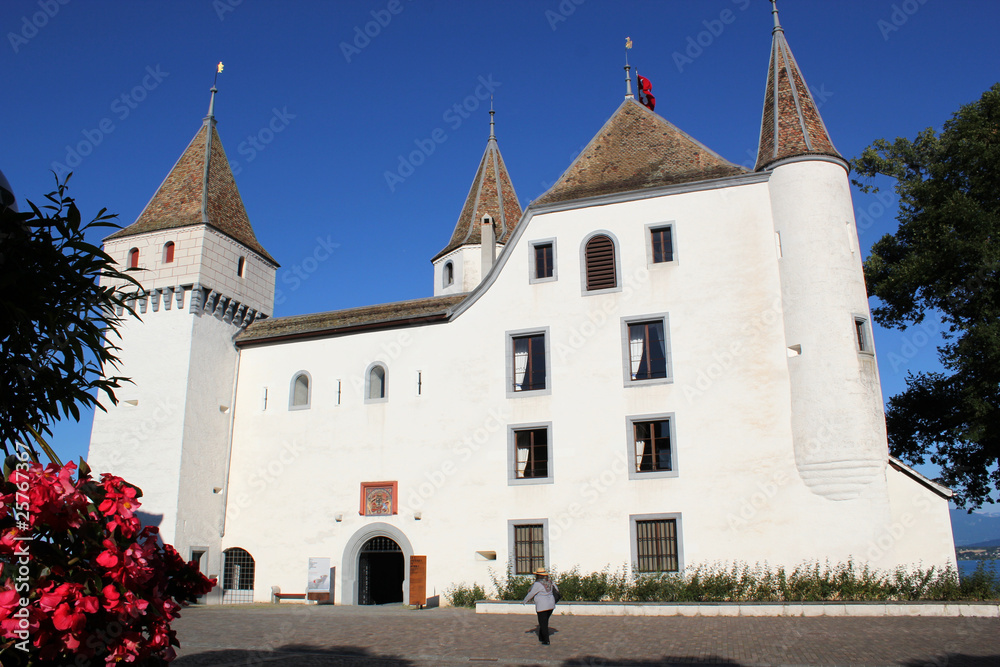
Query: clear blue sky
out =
(313, 112)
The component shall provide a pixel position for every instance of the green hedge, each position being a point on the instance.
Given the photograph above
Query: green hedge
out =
(739, 582)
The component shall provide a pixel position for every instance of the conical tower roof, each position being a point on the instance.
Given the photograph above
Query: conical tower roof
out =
(637, 149)
(791, 125)
(492, 194)
(200, 189)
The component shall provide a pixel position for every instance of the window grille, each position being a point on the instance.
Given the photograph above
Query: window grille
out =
(652, 445)
(657, 545)
(600, 258)
(647, 350)
(237, 576)
(529, 548)
(529, 362)
(532, 446)
(663, 247)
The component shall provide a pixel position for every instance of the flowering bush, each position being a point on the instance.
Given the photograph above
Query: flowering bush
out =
(82, 581)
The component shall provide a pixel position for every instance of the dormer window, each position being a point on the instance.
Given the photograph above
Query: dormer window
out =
(133, 258)
(168, 252)
(241, 266)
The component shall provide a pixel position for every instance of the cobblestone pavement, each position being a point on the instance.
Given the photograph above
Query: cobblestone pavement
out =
(300, 635)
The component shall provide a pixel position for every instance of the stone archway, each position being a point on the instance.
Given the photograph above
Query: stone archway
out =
(349, 580)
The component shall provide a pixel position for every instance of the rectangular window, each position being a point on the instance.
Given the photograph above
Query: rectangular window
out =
(543, 260)
(861, 332)
(663, 245)
(529, 547)
(529, 362)
(647, 346)
(652, 446)
(656, 545)
(530, 453)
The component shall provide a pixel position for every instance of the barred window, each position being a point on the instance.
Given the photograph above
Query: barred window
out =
(529, 548)
(656, 545)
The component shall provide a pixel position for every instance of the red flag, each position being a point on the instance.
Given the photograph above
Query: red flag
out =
(645, 93)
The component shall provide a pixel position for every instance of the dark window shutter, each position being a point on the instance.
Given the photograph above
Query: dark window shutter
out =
(600, 255)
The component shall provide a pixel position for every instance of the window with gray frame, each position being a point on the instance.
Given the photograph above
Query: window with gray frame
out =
(652, 445)
(662, 244)
(529, 362)
(543, 261)
(529, 547)
(300, 392)
(656, 545)
(531, 453)
(647, 345)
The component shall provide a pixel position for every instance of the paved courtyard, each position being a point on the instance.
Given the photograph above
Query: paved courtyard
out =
(307, 636)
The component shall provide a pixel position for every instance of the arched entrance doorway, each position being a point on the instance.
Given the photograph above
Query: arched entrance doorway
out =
(380, 572)
(351, 580)
(237, 576)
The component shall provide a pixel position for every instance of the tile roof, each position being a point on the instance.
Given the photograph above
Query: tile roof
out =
(492, 193)
(637, 149)
(791, 125)
(187, 197)
(382, 316)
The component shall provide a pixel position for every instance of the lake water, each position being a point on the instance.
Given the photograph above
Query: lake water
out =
(967, 567)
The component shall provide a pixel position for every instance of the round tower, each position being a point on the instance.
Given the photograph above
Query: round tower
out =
(838, 422)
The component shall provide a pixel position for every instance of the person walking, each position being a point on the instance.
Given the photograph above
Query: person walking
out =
(544, 593)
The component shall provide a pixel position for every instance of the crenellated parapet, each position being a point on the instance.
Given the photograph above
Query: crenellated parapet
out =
(201, 300)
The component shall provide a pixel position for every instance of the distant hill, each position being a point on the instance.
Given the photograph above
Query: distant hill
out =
(984, 545)
(975, 529)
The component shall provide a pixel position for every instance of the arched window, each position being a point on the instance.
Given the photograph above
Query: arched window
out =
(168, 252)
(601, 267)
(376, 389)
(299, 397)
(241, 266)
(133, 258)
(237, 576)
(449, 273)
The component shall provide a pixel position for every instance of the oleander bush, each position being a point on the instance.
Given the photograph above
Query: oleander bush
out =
(740, 582)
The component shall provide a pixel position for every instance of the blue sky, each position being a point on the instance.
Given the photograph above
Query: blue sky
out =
(319, 101)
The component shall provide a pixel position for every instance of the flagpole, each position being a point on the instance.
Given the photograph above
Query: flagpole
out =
(628, 76)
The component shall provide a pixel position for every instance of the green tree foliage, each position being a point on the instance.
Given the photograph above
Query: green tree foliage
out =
(56, 320)
(944, 262)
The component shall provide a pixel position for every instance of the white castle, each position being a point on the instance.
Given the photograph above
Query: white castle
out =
(666, 359)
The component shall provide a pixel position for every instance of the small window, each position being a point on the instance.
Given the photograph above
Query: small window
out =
(133, 258)
(449, 274)
(376, 381)
(241, 266)
(530, 454)
(655, 545)
(529, 547)
(662, 244)
(651, 446)
(529, 362)
(601, 267)
(299, 399)
(168, 252)
(862, 335)
(646, 350)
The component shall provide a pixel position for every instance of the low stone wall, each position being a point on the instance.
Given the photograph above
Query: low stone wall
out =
(975, 609)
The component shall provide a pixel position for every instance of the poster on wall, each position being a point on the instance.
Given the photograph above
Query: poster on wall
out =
(319, 576)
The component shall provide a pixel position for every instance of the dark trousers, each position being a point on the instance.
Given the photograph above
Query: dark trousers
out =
(543, 625)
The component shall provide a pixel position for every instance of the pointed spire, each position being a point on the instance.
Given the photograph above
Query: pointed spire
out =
(200, 189)
(493, 136)
(492, 193)
(791, 125)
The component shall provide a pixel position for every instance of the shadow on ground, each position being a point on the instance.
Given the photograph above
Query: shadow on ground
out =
(595, 661)
(287, 656)
(955, 660)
